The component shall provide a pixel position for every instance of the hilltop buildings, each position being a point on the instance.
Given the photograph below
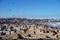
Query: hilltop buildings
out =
(25, 28)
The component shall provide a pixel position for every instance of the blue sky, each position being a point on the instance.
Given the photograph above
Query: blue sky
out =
(30, 8)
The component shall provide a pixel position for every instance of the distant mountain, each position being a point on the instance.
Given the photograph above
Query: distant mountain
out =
(56, 24)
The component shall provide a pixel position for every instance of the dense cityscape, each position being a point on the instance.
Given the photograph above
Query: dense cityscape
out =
(23, 28)
(29, 19)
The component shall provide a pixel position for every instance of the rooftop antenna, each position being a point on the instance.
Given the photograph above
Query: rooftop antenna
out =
(14, 17)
